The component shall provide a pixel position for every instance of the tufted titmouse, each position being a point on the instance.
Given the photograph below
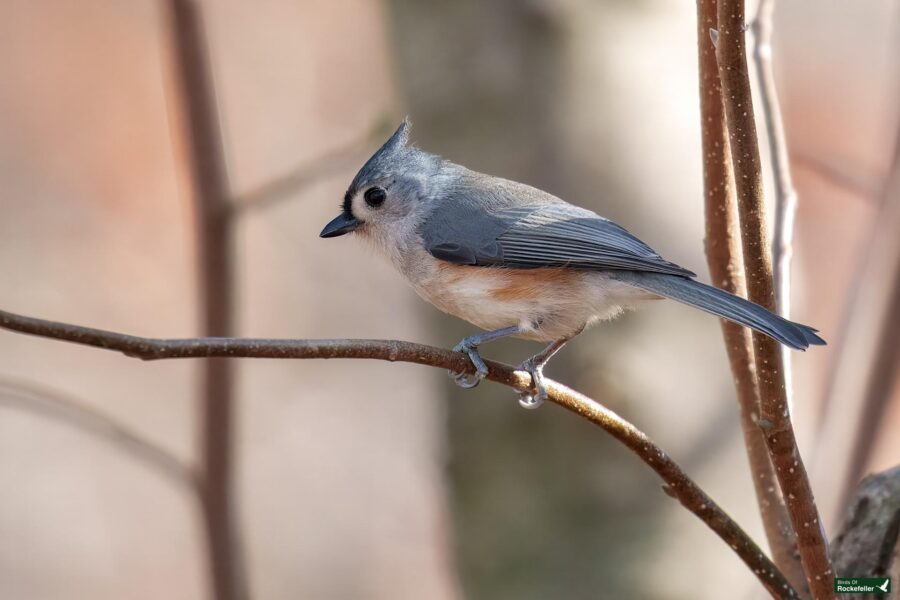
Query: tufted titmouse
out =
(517, 261)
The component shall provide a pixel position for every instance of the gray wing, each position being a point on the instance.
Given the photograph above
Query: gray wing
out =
(536, 231)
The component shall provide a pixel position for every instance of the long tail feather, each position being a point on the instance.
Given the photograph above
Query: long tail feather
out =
(725, 305)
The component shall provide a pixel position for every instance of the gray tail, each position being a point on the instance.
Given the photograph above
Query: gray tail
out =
(725, 305)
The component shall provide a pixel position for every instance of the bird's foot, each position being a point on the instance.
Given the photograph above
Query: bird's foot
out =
(469, 346)
(533, 399)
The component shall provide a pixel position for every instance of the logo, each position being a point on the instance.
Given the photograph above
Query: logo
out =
(862, 585)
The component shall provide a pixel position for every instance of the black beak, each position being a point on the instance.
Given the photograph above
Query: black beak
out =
(341, 224)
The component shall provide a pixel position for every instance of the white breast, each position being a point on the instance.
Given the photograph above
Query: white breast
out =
(548, 304)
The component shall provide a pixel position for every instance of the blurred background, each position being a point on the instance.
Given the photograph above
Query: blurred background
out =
(370, 480)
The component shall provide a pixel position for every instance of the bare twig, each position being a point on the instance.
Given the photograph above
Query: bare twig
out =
(723, 253)
(51, 403)
(678, 484)
(785, 194)
(214, 247)
(886, 349)
(276, 190)
(856, 398)
(867, 187)
(774, 415)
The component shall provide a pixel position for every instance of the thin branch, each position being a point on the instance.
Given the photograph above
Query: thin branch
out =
(837, 173)
(785, 194)
(206, 159)
(856, 398)
(886, 350)
(69, 411)
(678, 484)
(294, 181)
(884, 261)
(774, 415)
(723, 253)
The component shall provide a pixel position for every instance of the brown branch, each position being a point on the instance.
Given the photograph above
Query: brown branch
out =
(876, 398)
(678, 484)
(293, 182)
(838, 173)
(785, 194)
(206, 160)
(42, 401)
(774, 416)
(723, 254)
(857, 398)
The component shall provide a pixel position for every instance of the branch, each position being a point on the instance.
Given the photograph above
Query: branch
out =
(723, 254)
(677, 483)
(774, 415)
(215, 244)
(292, 182)
(856, 398)
(876, 393)
(838, 173)
(785, 194)
(67, 410)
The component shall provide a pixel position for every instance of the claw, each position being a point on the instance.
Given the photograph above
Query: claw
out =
(465, 380)
(539, 396)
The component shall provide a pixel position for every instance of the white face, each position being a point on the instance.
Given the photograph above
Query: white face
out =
(373, 204)
(385, 210)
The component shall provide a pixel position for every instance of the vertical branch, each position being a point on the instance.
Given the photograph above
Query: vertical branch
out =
(785, 194)
(723, 254)
(884, 351)
(868, 356)
(214, 246)
(774, 416)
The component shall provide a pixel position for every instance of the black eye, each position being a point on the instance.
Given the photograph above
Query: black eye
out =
(375, 196)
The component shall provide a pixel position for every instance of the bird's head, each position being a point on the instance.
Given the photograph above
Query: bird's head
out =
(383, 197)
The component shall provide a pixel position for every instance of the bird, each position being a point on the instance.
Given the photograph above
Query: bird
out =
(517, 261)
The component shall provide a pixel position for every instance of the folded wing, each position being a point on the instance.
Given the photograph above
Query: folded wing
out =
(535, 233)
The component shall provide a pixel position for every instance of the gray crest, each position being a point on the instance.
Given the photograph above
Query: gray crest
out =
(385, 158)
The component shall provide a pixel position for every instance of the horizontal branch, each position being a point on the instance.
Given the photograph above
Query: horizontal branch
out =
(678, 484)
(295, 180)
(865, 186)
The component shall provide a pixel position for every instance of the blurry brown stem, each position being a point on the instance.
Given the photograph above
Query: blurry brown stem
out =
(886, 348)
(838, 173)
(285, 186)
(857, 398)
(209, 184)
(65, 409)
(678, 484)
(774, 416)
(723, 254)
(867, 360)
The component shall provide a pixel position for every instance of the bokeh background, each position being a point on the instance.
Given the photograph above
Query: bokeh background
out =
(373, 480)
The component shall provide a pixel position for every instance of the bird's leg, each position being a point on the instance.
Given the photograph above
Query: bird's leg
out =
(469, 345)
(535, 367)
